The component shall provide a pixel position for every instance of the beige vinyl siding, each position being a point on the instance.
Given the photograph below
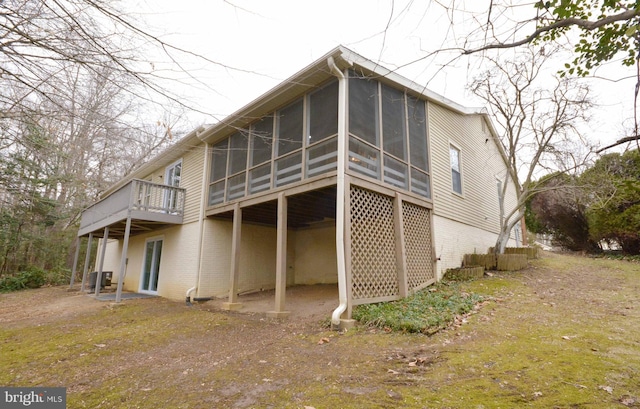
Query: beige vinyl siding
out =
(480, 161)
(156, 177)
(178, 263)
(470, 222)
(191, 180)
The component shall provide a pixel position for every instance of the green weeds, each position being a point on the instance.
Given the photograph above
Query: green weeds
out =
(427, 311)
(29, 278)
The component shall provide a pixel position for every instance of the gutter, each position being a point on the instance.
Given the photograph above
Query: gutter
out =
(340, 194)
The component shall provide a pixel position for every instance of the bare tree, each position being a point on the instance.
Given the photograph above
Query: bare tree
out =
(594, 32)
(59, 153)
(537, 124)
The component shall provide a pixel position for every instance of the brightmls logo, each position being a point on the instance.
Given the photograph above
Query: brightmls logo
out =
(41, 398)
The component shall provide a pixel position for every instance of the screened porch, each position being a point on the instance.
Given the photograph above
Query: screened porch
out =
(283, 170)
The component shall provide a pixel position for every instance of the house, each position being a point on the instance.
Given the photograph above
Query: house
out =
(345, 173)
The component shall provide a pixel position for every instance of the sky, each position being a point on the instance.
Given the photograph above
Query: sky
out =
(257, 44)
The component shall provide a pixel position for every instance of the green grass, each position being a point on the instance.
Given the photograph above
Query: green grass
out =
(427, 311)
(562, 333)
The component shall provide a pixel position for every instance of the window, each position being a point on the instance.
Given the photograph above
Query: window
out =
(261, 141)
(417, 118)
(456, 177)
(393, 122)
(290, 128)
(388, 135)
(323, 113)
(238, 143)
(172, 175)
(218, 172)
(363, 108)
(219, 160)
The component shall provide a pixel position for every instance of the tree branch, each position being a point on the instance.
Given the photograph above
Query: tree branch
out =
(620, 142)
(568, 22)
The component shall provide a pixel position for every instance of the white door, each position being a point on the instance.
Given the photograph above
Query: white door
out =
(172, 178)
(151, 266)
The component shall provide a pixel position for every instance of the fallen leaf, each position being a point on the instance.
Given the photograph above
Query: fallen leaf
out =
(99, 345)
(607, 389)
(323, 341)
(391, 371)
(394, 395)
(412, 363)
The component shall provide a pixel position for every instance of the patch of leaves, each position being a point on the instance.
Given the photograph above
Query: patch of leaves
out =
(427, 311)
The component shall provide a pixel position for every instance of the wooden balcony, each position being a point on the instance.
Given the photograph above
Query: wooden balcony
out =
(151, 206)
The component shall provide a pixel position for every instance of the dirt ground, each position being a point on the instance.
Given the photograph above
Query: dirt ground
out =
(563, 333)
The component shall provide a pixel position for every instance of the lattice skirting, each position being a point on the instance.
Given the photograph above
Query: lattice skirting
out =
(387, 258)
(416, 221)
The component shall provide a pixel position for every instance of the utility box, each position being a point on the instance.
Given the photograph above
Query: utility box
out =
(106, 279)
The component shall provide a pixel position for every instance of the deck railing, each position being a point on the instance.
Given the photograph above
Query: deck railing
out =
(142, 198)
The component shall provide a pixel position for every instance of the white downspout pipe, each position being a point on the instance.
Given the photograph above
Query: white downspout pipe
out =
(340, 186)
(203, 197)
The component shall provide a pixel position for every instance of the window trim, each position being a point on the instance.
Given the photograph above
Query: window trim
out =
(157, 263)
(170, 198)
(455, 146)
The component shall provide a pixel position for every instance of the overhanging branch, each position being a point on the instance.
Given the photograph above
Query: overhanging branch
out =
(568, 22)
(620, 142)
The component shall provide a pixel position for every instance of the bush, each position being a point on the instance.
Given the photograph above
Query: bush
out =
(32, 277)
(58, 277)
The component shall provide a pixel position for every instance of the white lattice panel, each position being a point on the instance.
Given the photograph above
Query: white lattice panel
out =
(418, 247)
(373, 254)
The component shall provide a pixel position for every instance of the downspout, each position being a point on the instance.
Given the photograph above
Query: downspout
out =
(203, 197)
(340, 186)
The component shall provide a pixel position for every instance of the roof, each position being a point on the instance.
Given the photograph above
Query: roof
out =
(309, 78)
(312, 77)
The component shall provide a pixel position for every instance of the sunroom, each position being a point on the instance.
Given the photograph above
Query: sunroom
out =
(343, 142)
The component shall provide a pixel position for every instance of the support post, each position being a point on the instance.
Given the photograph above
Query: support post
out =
(87, 258)
(281, 260)
(123, 259)
(103, 251)
(233, 303)
(401, 259)
(75, 263)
